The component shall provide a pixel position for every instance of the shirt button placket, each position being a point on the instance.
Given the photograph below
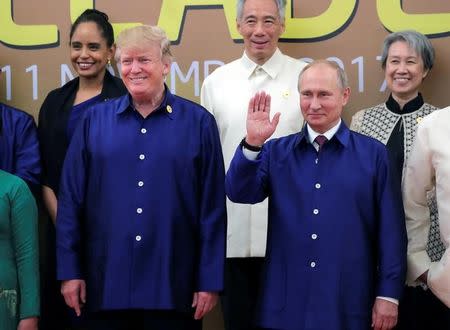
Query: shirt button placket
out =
(140, 183)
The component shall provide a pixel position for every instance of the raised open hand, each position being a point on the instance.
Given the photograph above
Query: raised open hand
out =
(259, 125)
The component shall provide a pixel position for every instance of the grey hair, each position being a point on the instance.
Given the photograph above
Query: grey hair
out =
(416, 41)
(140, 36)
(342, 79)
(281, 5)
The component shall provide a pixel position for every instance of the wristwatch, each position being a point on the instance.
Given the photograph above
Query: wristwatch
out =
(247, 146)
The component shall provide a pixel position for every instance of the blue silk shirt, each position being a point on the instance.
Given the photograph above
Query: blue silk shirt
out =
(141, 213)
(336, 237)
(19, 148)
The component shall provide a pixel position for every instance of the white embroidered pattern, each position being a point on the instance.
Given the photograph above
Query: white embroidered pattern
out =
(379, 122)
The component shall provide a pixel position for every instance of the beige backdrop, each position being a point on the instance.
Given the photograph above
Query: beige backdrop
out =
(34, 42)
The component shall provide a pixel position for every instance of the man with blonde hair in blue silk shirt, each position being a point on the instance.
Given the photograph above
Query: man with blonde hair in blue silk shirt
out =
(145, 171)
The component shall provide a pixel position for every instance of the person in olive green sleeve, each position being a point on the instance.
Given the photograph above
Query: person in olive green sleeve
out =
(19, 270)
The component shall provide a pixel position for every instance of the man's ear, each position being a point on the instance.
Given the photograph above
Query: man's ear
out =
(166, 67)
(345, 96)
(238, 26)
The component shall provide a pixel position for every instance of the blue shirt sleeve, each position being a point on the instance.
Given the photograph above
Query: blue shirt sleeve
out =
(70, 205)
(27, 155)
(247, 180)
(391, 247)
(212, 211)
(19, 148)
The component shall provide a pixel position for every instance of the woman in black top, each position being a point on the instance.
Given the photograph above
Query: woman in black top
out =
(407, 58)
(91, 49)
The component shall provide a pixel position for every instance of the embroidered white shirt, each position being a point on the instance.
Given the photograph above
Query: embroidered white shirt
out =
(429, 167)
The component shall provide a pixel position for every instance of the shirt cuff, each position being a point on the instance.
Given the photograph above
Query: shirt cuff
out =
(392, 300)
(250, 155)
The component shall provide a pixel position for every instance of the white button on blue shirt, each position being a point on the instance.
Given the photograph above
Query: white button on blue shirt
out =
(139, 210)
(316, 211)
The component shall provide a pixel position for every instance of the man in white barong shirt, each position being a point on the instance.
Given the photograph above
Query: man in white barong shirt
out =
(429, 168)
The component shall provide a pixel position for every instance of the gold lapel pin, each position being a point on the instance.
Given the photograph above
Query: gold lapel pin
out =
(169, 109)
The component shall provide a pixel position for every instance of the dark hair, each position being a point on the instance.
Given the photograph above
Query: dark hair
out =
(98, 17)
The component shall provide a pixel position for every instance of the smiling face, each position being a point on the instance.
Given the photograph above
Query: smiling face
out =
(261, 27)
(89, 52)
(321, 98)
(143, 71)
(404, 71)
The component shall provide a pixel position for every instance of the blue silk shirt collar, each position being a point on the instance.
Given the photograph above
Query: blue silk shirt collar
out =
(341, 136)
(166, 105)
